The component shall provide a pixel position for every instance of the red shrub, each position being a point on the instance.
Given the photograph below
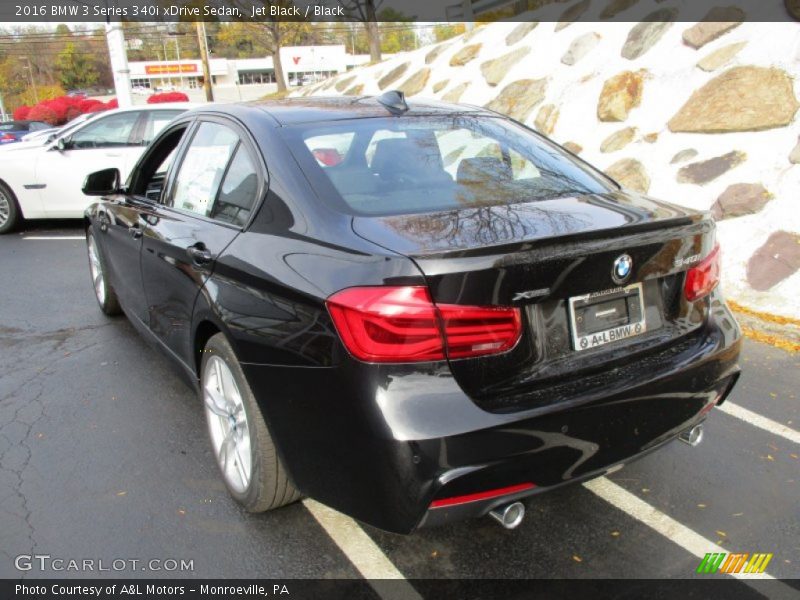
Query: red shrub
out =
(84, 104)
(59, 106)
(41, 112)
(168, 97)
(72, 112)
(112, 103)
(21, 113)
(97, 107)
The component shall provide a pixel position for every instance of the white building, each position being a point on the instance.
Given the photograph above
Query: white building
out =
(301, 64)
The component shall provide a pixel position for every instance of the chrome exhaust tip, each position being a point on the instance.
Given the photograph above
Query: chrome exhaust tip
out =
(693, 436)
(510, 515)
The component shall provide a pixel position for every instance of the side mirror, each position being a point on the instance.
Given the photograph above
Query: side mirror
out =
(102, 183)
(63, 144)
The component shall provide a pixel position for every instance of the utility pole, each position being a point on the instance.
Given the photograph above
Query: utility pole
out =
(33, 83)
(201, 39)
(115, 38)
(469, 15)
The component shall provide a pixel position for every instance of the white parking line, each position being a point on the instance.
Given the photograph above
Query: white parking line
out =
(640, 510)
(764, 423)
(363, 553)
(54, 237)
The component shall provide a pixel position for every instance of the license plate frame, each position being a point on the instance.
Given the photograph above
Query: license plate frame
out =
(612, 334)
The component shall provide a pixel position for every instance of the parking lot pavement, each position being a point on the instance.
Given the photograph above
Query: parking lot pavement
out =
(103, 455)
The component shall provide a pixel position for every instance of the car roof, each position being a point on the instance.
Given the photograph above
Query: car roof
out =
(291, 111)
(158, 106)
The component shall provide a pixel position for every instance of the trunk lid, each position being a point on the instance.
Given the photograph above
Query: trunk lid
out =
(538, 256)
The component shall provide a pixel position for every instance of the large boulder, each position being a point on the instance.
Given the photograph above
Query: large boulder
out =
(644, 35)
(520, 31)
(454, 93)
(773, 262)
(718, 21)
(573, 147)
(740, 99)
(572, 14)
(704, 171)
(794, 155)
(546, 119)
(519, 98)
(580, 47)
(495, 70)
(355, 90)
(466, 54)
(393, 75)
(343, 84)
(620, 94)
(630, 173)
(740, 199)
(720, 58)
(683, 156)
(416, 83)
(435, 52)
(615, 7)
(618, 140)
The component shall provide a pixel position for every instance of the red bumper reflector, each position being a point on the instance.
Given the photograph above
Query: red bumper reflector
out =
(487, 495)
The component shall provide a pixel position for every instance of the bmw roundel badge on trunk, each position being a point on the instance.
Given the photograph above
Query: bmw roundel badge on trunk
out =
(622, 269)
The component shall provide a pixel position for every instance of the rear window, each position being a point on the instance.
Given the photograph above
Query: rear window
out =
(416, 164)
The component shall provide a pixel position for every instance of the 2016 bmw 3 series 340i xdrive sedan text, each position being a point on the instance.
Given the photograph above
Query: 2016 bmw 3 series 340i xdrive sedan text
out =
(411, 312)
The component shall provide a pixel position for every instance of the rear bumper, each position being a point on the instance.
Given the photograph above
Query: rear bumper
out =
(382, 442)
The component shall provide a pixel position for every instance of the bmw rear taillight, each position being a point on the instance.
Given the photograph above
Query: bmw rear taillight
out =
(8, 137)
(403, 324)
(704, 277)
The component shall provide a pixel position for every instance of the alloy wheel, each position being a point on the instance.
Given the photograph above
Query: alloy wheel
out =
(5, 208)
(96, 268)
(227, 424)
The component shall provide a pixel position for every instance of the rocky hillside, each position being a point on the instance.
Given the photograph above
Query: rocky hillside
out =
(700, 114)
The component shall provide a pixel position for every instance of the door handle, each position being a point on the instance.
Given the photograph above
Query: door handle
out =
(199, 254)
(135, 231)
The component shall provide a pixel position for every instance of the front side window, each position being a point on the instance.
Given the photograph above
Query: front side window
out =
(106, 132)
(414, 164)
(203, 167)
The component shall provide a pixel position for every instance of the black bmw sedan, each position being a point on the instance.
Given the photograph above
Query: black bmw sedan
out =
(412, 312)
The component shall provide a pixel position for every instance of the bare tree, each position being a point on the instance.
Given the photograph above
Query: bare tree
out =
(275, 34)
(366, 11)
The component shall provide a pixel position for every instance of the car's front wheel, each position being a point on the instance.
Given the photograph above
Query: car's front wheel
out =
(106, 297)
(9, 210)
(240, 439)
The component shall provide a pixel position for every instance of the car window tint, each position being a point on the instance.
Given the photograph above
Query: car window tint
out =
(156, 121)
(237, 194)
(378, 136)
(202, 168)
(105, 132)
(416, 164)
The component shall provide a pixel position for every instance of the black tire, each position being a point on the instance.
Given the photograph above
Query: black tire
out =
(269, 486)
(10, 214)
(103, 291)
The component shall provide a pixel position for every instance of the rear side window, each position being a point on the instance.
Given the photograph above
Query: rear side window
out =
(416, 164)
(237, 194)
(203, 167)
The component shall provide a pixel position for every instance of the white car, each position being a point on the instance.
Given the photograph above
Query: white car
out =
(44, 180)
